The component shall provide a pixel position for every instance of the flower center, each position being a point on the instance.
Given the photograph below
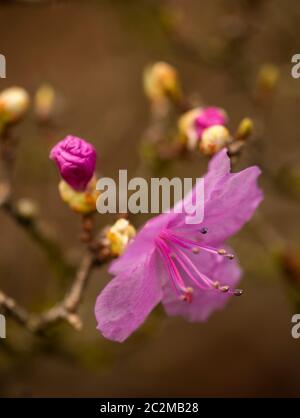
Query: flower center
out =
(174, 250)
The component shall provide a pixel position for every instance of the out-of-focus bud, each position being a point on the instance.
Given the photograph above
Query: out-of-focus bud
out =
(27, 209)
(81, 202)
(267, 80)
(119, 236)
(214, 139)
(193, 123)
(210, 116)
(14, 103)
(44, 101)
(161, 82)
(186, 125)
(76, 161)
(245, 129)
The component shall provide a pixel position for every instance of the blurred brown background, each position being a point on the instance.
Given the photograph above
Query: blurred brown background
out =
(93, 53)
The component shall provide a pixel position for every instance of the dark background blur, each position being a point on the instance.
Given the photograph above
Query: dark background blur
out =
(93, 53)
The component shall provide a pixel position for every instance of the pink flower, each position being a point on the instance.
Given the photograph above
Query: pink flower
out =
(76, 161)
(208, 117)
(184, 266)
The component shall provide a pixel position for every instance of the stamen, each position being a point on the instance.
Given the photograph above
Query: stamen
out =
(186, 243)
(187, 291)
(169, 246)
(168, 265)
(204, 279)
(230, 256)
(175, 275)
(204, 230)
(221, 251)
(188, 295)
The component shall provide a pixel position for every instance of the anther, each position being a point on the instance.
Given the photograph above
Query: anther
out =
(187, 295)
(224, 289)
(230, 256)
(195, 250)
(221, 251)
(216, 285)
(238, 292)
(204, 230)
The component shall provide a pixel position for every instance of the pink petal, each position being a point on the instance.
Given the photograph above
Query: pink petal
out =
(218, 167)
(230, 200)
(128, 299)
(232, 203)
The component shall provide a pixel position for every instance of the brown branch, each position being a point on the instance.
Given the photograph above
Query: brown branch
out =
(11, 307)
(66, 310)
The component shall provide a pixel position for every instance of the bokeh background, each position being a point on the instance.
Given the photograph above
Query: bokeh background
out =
(93, 53)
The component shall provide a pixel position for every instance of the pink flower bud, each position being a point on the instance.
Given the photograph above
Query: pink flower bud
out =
(76, 161)
(209, 116)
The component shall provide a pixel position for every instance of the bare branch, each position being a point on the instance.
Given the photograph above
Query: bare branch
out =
(11, 307)
(66, 310)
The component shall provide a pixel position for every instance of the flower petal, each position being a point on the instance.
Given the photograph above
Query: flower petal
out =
(127, 300)
(230, 200)
(232, 203)
(141, 246)
(219, 166)
(227, 272)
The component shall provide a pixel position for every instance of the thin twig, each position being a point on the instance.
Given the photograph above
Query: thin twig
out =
(11, 307)
(66, 310)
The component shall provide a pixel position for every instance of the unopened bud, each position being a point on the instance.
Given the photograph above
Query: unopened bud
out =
(208, 117)
(27, 208)
(81, 202)
(267, 79)
(119, 236)
(187, 120)
(44, 102)
(14, 102)
(186, 128)
(161, 82)
(195, 122)
(214, 139)
(245, 129)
